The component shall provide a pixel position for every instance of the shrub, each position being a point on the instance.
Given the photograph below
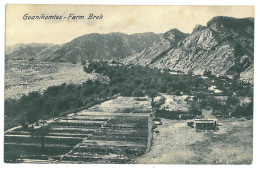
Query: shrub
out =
(243, 110)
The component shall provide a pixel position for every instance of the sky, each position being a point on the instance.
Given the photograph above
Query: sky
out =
(125, 19)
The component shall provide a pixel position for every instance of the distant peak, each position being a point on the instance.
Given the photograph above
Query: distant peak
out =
(144, 33)
(229, 20)
(198, 28)
(220, 19)
(116, 33)
(175, 30)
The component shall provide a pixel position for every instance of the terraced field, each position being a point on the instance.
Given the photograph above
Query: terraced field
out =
(85, 137)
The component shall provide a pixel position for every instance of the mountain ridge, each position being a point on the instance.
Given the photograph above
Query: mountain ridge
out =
(225, 47)
(86, 47)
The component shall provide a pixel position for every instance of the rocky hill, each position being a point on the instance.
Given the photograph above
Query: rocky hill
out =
(225, 46)
(158, 50)
(90, 46)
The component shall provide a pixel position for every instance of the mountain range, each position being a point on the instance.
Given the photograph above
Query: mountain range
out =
(224, 46)
(95, 46)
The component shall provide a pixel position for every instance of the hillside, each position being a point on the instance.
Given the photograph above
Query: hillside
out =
(29, 51)
(160, 48)
(90, 46)
(225, 46)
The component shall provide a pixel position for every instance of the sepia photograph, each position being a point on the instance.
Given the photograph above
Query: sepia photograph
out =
(129, 84)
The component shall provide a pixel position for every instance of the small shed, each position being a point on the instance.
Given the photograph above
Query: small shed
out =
(205, 124)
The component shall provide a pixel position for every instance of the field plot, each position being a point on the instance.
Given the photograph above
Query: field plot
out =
(118, 140)
(176, 143)
(84, 137)
(22, 77)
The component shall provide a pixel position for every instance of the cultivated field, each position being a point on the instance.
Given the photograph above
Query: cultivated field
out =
(22, 77)
(89, 136)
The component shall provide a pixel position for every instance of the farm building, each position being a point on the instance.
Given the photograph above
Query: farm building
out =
(205, 124)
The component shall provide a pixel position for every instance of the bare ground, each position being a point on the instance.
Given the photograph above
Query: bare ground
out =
(179, 144)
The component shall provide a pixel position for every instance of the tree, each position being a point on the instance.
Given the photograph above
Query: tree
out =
(138, 93)
(40, 134)
(152, 93)
(231, 104)
(232, 101)
(195, 108)
(138, 81)
(243, 110)
(207, 73)
(83, 62)
(200, 97)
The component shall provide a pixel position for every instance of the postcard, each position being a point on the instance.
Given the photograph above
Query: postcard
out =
(111, 84)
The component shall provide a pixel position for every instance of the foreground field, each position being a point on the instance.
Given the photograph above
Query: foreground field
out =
(179, 144)
(101, 134)
(119, 131)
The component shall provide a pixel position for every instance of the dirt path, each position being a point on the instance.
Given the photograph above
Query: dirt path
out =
(150, 135)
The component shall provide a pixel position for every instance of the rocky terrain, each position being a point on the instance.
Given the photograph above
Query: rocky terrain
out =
(225, 46)
(159, 49)
(90, 46)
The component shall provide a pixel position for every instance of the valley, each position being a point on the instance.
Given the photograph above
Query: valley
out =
(23, 77)
(145, 98)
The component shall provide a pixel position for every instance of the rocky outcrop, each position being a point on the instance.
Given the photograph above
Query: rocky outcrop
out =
(225, 47)
(159, 48)
(198, 28)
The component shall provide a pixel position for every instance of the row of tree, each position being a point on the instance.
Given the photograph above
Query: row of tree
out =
(132, 80)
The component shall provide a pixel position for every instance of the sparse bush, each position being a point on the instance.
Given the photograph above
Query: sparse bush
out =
(160, 102)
